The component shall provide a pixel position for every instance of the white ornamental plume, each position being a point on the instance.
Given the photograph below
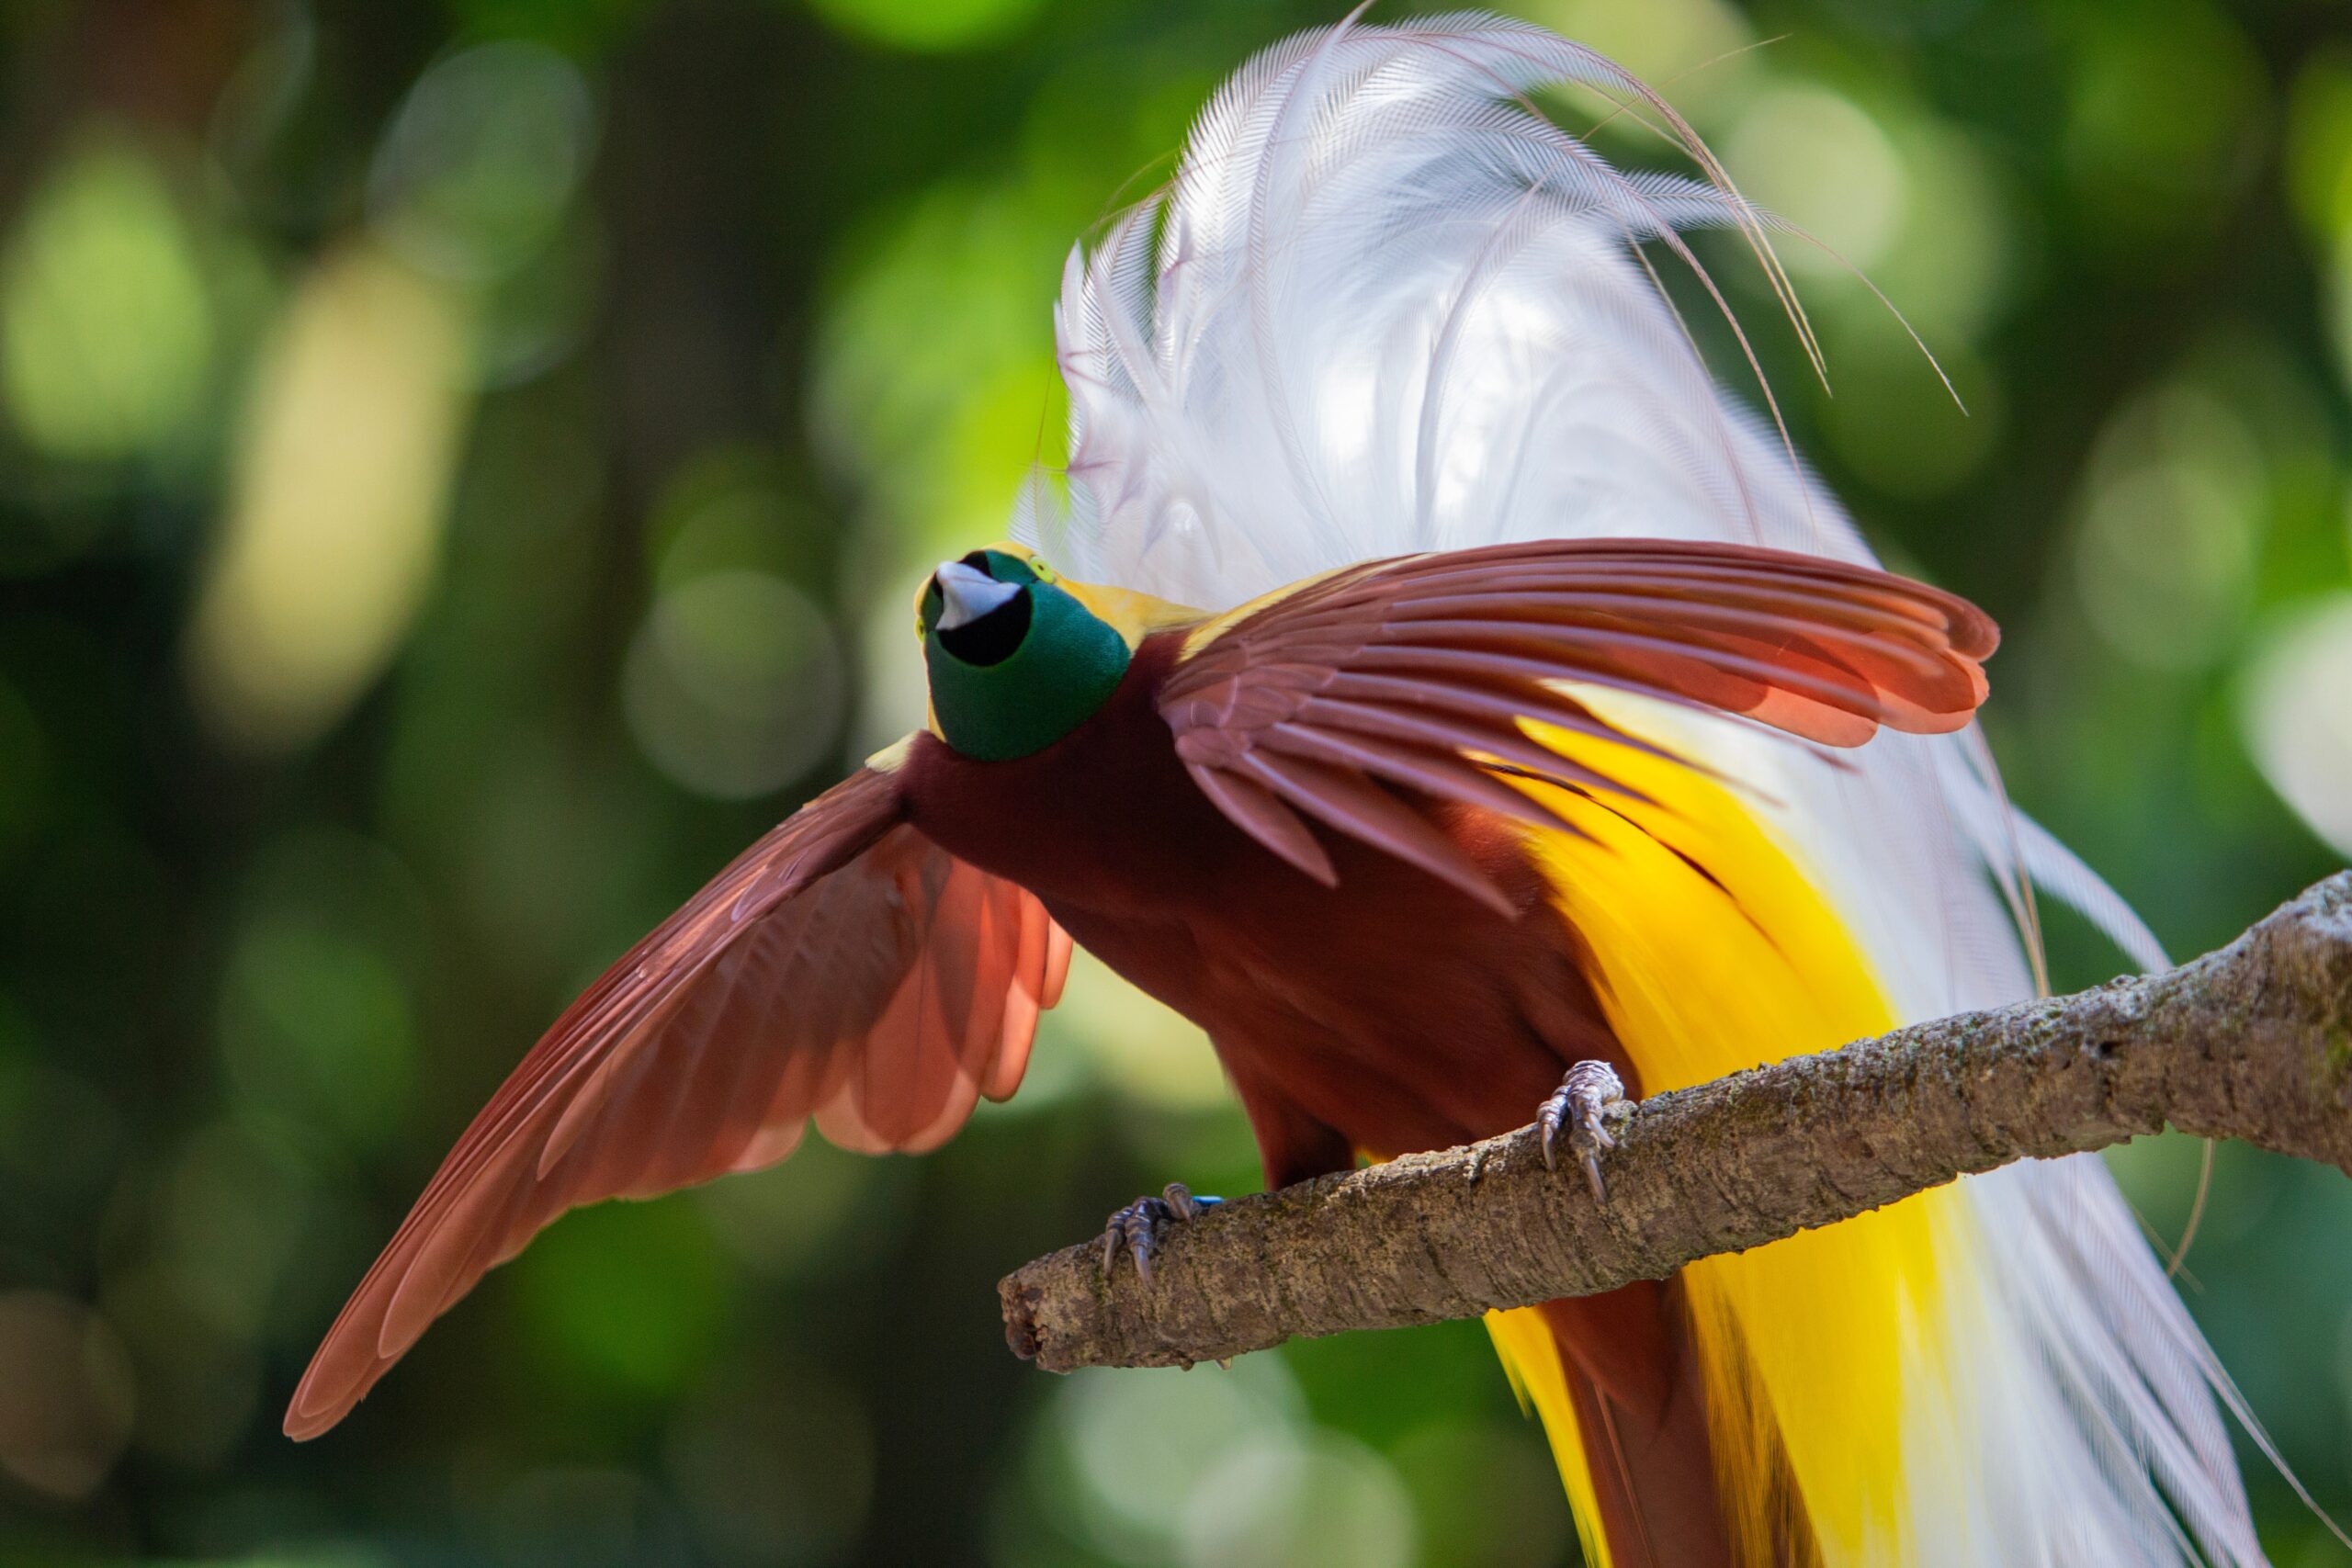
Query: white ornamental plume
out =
(1384, 307)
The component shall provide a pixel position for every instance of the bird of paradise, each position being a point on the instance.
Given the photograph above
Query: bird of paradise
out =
(1459, 707)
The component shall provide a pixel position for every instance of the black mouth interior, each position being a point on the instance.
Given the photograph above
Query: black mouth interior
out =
(991, 639)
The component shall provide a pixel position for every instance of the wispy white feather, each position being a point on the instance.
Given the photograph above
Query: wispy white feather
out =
(1386, 307)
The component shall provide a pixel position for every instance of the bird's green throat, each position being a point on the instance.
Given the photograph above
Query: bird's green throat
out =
(1016, 660)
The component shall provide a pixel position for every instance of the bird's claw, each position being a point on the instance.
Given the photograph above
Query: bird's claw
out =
(1139, 1227)
(1588, 1098)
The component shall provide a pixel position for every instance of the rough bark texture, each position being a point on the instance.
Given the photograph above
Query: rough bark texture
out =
(2254, 1042)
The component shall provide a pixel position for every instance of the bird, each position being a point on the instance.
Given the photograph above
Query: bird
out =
(1430, 680)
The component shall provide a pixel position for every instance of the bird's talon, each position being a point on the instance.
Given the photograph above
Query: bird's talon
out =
(1140, 1226)
(1179, 1197)
(1589, 1096)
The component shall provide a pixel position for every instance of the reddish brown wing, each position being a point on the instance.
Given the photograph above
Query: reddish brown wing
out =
(843, 967)
(1313, 703)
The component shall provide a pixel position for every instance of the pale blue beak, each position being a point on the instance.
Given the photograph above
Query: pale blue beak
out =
(969, 594)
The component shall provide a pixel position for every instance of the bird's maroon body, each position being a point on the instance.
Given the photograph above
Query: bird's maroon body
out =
(1398, 1014)
(1391, 1014)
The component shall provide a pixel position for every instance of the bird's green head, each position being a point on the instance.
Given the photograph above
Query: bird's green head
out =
(1017, 661)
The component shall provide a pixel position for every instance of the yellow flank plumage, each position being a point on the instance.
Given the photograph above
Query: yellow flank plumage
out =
(1532, 1360)
(1713, 951)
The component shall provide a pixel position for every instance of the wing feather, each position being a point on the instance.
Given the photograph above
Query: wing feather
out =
(1420, 675)
(845, 968)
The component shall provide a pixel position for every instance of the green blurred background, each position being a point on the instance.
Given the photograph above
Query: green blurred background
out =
(463, 468)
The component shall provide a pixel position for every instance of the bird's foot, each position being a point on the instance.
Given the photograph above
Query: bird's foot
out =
(1588, 1098)
(1140, 1226)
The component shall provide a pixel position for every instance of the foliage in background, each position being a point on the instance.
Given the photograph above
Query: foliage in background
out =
(463, 468)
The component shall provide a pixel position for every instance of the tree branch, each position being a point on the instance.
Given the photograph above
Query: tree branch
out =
(2254, 1042)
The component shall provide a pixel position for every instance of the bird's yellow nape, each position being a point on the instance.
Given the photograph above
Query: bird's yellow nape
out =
(1133, 616)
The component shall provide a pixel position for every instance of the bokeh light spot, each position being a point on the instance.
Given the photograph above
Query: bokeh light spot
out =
(199, 1388)
(1149, 1052)
(1814, 158)
(336, 507)
(1952, 268)
(928, 27)
(1219, 1470)
(534, 318)
(2319, 147)
(474, 174)
(65, 1395)
(733, 508)
(820, 1215)
(1660, 41)
(2171, 529)
(1139, 1444)
(106, 327)
(2295, 710)
(734, 687)
(1326, 1503)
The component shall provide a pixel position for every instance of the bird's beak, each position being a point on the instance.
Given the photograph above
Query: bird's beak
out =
(969, 594)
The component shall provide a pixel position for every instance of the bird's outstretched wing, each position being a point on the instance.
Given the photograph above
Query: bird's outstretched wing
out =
(1419, 673)
(845, 967)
